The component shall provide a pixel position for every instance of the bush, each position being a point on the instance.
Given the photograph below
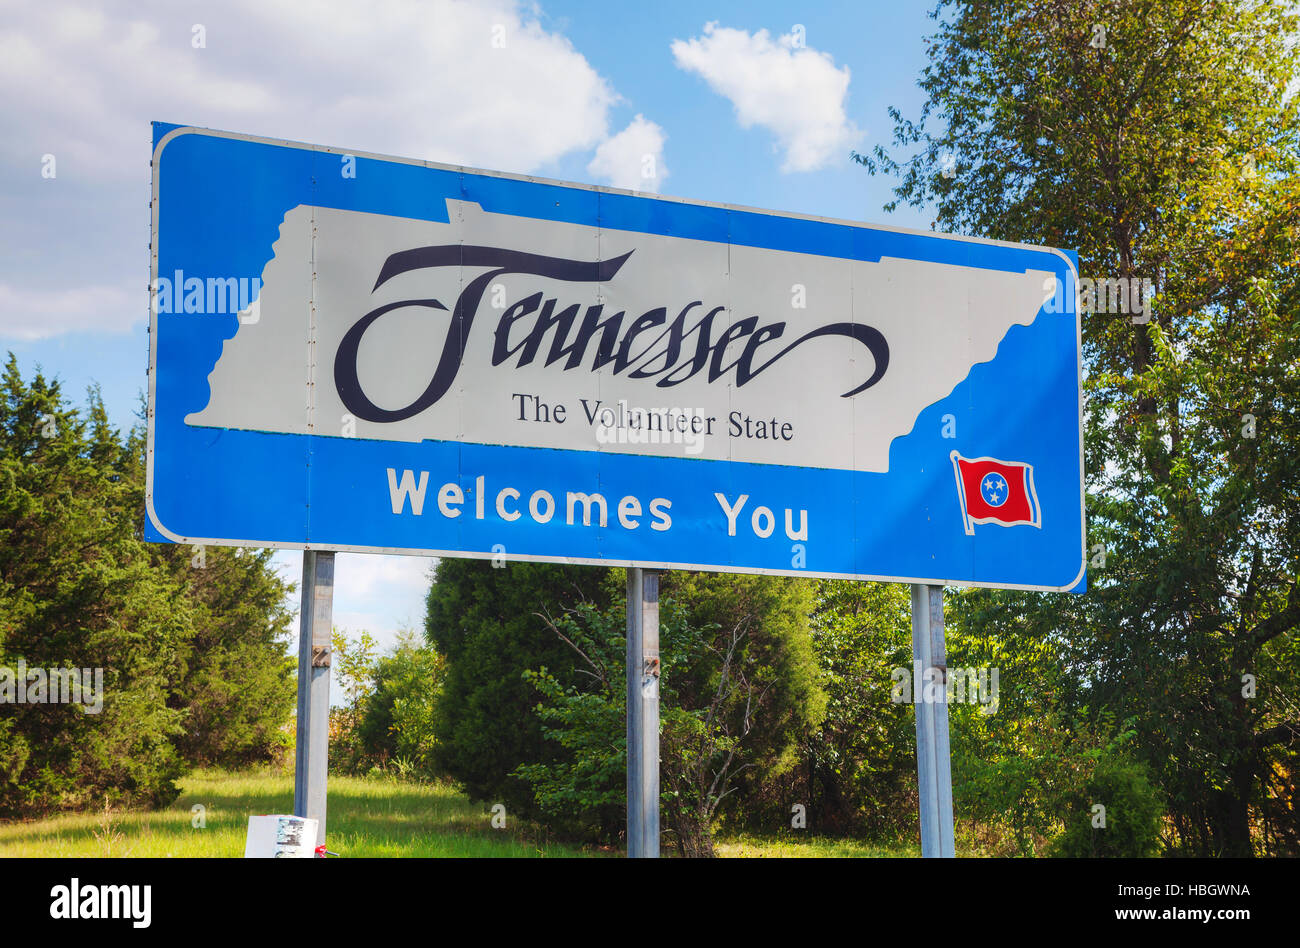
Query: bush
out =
(737, 692)
(1132, 815)
(396, 724)
(488, 624)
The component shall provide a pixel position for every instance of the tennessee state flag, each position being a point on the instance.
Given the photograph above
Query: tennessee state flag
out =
(994, 491)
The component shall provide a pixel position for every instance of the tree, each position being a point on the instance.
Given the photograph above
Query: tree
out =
(738, 692)
(192, 662)
(1159, 139)
(774, 667)
(858, 773)
(238, 680)
(487, 623)
(353, 665)
(77, 589)
(397, 718)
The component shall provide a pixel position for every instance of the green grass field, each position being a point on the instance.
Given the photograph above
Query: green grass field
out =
(367, 817)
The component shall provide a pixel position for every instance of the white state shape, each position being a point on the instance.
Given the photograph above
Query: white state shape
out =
(277, 374)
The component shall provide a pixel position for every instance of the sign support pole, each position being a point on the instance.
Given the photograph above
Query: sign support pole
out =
(642, 713)
(933, 763)
(316, 622)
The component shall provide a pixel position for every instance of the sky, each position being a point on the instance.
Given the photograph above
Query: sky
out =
(749, 103)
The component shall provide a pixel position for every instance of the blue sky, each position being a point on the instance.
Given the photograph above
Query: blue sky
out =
(754, 103)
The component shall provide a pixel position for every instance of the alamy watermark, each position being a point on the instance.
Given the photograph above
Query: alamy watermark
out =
(24, 685)
(624, 424)
(213, 296)
(1123, 296)
(917, 685)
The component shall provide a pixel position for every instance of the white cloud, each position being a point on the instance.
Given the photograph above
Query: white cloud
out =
(479, 83)
(29, 313)
(794, 91)
(372, 575)
(634, 158)
(377, 593)
(418, 79)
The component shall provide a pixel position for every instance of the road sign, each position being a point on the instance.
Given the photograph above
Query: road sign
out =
(353, 352)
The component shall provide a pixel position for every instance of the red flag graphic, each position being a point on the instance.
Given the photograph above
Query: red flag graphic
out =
(993, 491)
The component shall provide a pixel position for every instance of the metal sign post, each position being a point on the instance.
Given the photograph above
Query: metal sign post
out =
(642, 713)
(316, 620)
(933, 765)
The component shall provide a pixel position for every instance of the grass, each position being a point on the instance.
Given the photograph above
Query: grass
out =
(367, 817)
(811, 847)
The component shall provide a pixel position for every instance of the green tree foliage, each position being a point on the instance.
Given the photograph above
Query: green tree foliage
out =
(1158, 138)
(182, 651)
(858, 774)
(785, 699)
(582, 791)
(488, 624)
(237, 682)
(1031, 784)
(353, 666)
(1132, 814)
(739, 689)
(1013, 758)
(385, 722)
(397, 721)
